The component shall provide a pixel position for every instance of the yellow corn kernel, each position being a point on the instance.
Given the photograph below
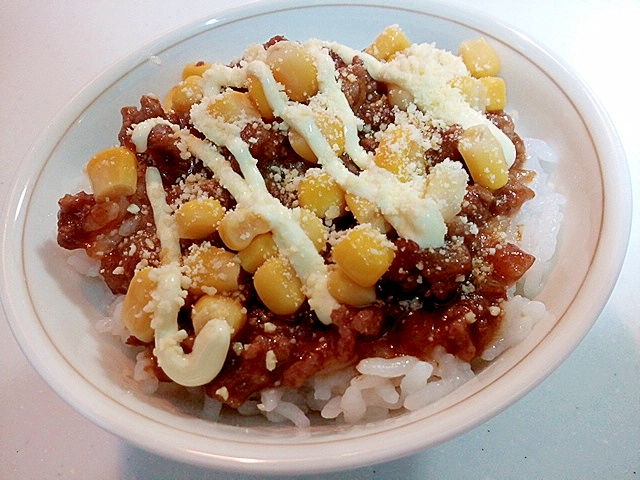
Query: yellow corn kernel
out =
(484, 157)
(198, 218)
(401, 152)
(195, 69)
(301, 147)
(278, 286)
(479, 57)
(218, 307)
(238, 227)
(399, 97)
(496, 98)
(211, 269)
(181, 97)
(331, 127)
(447, 185)
(255, 254)
(113, 173)
(346, 291)
(320, 193)
(295, 68)
(256, 93)
(474, 92)
(391, 40)
(364, 255)
(365, 211)
(315, 229)
(134, 316)
(233, 106)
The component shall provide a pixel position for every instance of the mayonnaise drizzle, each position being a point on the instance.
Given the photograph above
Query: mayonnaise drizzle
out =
(212, 343)
(219, 76)
(141, 131)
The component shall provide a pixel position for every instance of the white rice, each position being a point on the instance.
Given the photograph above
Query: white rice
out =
(537, 224)
(376, 387)
(143, 373)
(280, 405)
(83, 263)
(111, 323)
(520, 315)
(384, 385)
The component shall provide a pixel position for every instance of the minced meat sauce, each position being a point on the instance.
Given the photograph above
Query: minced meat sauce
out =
(447, 296)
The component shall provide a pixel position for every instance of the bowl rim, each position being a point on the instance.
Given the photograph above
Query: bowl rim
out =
(615, 230)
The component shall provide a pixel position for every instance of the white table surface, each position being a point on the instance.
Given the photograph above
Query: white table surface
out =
(582, 422)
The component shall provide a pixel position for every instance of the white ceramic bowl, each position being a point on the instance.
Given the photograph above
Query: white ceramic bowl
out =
(52, 310)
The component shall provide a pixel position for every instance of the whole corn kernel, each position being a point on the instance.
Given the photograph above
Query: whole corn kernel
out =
(278, 286)
(134, 316)
(294, 68)
(184, 95)
(195, 69)
(401, 152)
(239, 227)
(496, 96)
(256, 93)
(365, 211)
(390, 41)
(346, 291)
(474, 92)
(261, 247)
(301, 147)
(232, 106)
(319, 192)
(479, 57)
(113, 173)
(484, 157)
(364, 255)
(211, 269)
(199, 218)
(331, 127)
(315, 229)
(447, 185)
(399, 97)
(220, 307)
